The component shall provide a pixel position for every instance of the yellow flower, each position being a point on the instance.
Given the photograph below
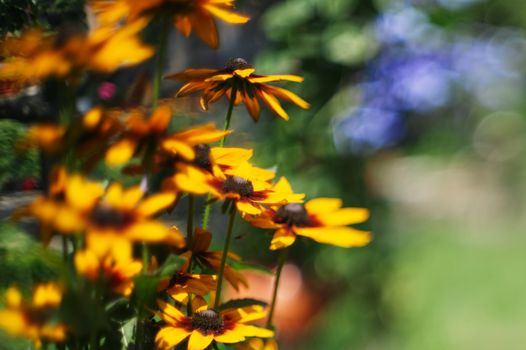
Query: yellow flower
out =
(247, 186)
(141, 134)
(187, 15)
(117, 274)
(258, 344)
(322, 219)
(181, 284)
(199, 252)
(238, 78)
(35, 320)
(36, 56)
(111, 219)
(206, 325)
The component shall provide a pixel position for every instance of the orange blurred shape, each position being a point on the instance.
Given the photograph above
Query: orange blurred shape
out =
(295, 307)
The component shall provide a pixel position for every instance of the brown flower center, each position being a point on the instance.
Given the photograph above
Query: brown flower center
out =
(292, 214)
(104, 216)
(208, 321)
(202, 156)
(237, 63)
(238, 185)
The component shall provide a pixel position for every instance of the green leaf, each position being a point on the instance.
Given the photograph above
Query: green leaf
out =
(145, 291)
(172, 264)
(242, 265)
(238, 303)
(120, 310)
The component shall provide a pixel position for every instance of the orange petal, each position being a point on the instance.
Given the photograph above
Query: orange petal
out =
(273, 104)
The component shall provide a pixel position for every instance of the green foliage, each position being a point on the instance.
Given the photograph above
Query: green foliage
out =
(14, 164)
(239, 303)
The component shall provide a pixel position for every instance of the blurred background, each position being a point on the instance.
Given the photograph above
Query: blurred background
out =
(418, 113)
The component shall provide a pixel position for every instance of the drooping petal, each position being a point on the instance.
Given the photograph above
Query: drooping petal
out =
(199, 341)
(191, 87)
(345, 237)
(205, 28)
(282, 239)
(286, 95)
(273, 104)
(252, 105)
(182, 23)
(225, 15)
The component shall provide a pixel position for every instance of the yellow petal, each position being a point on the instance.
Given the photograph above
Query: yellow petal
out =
(82, 194)
(192, 74)
(345, 237)
(155, 203)
(170, 311)
(13, 298)
(178, 147)
(253, 331)
(168, 337)
(160, 118)
(344, 216)
(147, 231)
(120, 152)
(270, 78)
(247, 207)
(273, 104)
(92, 117)
(227, 16)
(282, 239)
(287, 96)
(243, 73)
(323, 205)
(199, 341)
(230, 336)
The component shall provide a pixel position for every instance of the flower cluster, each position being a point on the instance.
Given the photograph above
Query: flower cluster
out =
(117, 243)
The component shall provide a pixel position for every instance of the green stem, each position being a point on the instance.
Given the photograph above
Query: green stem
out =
(189, 239)
(281, 261)
(224, 256)
(64, 248)
(165, 30)
(229, 114)
(206, 215)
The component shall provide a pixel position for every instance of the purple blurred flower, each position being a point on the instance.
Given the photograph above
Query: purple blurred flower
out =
(106, 90)
(369, 129)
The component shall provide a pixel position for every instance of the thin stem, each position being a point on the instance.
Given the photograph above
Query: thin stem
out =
(206, 215)
(281, 261)
(64, 248)
(224, 256)
(233, 96)
(160, 60)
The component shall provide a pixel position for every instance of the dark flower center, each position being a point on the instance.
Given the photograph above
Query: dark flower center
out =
(40, 316)
(202, 156)
(237, 63)
(104, 216)
(238, 185)
(208, 321)
(180, 6)
(292, 214)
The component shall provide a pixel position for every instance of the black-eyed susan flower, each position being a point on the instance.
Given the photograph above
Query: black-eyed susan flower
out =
(118, 275)
(37, 319)
(198, 251)
(141, 135)
(238, 79)
(36, 56)
(187, 15)
(181, 284)
(247, 186)
(322, 219)
(111, 219)
(207, 325)
(258, 344)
